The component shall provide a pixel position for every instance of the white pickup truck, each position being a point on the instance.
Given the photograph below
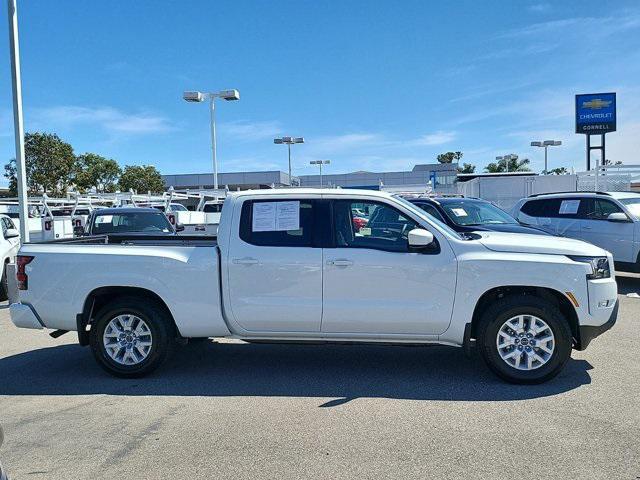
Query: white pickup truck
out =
(293, 265)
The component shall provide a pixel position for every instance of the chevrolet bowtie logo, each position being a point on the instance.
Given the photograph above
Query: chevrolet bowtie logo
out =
(596, 104)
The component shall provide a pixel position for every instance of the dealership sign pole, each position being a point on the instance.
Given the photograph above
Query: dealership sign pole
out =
(596, 115)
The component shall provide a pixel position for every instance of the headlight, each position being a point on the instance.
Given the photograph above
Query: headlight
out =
(599, 266)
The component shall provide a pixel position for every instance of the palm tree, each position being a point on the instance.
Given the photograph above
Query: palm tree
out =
(515, 165)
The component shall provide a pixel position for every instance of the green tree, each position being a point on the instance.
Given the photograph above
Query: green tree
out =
(95, 171)
(142, 179)
(449, 157)
(49, 163)
(515, 165)
(467, 168)
(558, 171)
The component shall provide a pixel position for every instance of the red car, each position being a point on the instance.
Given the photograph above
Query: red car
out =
(360, 222)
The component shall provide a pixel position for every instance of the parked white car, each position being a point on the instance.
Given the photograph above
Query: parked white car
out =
(292, 265)
(610, 220)
(9, 244)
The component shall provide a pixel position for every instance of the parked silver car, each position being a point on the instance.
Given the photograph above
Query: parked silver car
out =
(610, 220)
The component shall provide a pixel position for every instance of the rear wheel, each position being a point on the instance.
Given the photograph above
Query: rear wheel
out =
(132, 337)
(524, 339)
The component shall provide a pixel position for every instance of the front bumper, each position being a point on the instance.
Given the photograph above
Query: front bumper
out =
(24, 316)
(589, 332)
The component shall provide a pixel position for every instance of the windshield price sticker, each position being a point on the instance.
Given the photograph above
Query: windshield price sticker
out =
(276, 216)
(459, 212)
(104, 218)
(569, 207)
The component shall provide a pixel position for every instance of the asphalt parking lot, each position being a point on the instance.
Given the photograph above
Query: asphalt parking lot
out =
(235, 410)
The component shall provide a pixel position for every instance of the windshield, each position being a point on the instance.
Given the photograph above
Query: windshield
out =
(476, 213)
(422, 214)
(633, 205)
(131, 222)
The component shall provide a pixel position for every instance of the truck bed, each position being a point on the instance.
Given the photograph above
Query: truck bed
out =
(182, 270)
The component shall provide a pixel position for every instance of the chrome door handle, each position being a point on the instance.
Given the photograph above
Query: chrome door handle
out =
(245, 261)
(586, 227)
(340, 263)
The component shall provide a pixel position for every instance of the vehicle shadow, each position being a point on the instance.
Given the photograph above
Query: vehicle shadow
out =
(628, 284)
(341, 372)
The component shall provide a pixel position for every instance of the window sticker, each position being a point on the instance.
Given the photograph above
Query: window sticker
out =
(288, 215)
(104, 219)
(459, 212)
(569, 207)
(275, 216)
(365, 231)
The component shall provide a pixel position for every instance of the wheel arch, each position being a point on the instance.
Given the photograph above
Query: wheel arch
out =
(549, 294)
(101, 296)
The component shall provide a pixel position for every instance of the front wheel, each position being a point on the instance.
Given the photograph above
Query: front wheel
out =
(131, 337)
(524, 339)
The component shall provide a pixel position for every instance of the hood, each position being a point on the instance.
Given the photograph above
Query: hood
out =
(508, 227)
(527, 243)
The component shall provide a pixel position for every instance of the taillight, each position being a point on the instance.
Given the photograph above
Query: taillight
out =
(78, 222)
(47, 225)
(21, 275)
(172, 219)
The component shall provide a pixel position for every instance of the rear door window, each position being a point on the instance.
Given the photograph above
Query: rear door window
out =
(571, 207)
(277, 223)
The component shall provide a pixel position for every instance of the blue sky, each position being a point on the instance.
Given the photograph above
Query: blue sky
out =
(371, 85)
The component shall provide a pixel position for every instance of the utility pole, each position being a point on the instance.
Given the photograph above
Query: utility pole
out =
(18, 125)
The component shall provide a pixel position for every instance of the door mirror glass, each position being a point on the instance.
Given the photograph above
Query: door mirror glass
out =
(617, 217)
(11, 233)
(420, 238)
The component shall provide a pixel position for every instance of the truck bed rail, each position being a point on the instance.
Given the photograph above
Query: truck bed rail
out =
(133, 239)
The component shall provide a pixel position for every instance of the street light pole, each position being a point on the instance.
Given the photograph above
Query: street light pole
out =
(288, 141)
(198, 97)
(506, 159)
(289, 152)
(320, 163)
(18, 125)
(546, 144)
(213, 142)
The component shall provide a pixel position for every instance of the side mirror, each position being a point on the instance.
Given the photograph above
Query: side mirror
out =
(617, 217)
(78, 231)
(11, 233)
(420, 238)
(179, 227)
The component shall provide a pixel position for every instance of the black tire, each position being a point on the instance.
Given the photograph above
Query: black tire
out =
(504, 309)
(159, 323)
(4, 285)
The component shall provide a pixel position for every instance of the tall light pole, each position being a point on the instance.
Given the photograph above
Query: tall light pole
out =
(506, 159)
(320, 163)
(288, 141)
(18, 126)
(197, 97)
(546, 144)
